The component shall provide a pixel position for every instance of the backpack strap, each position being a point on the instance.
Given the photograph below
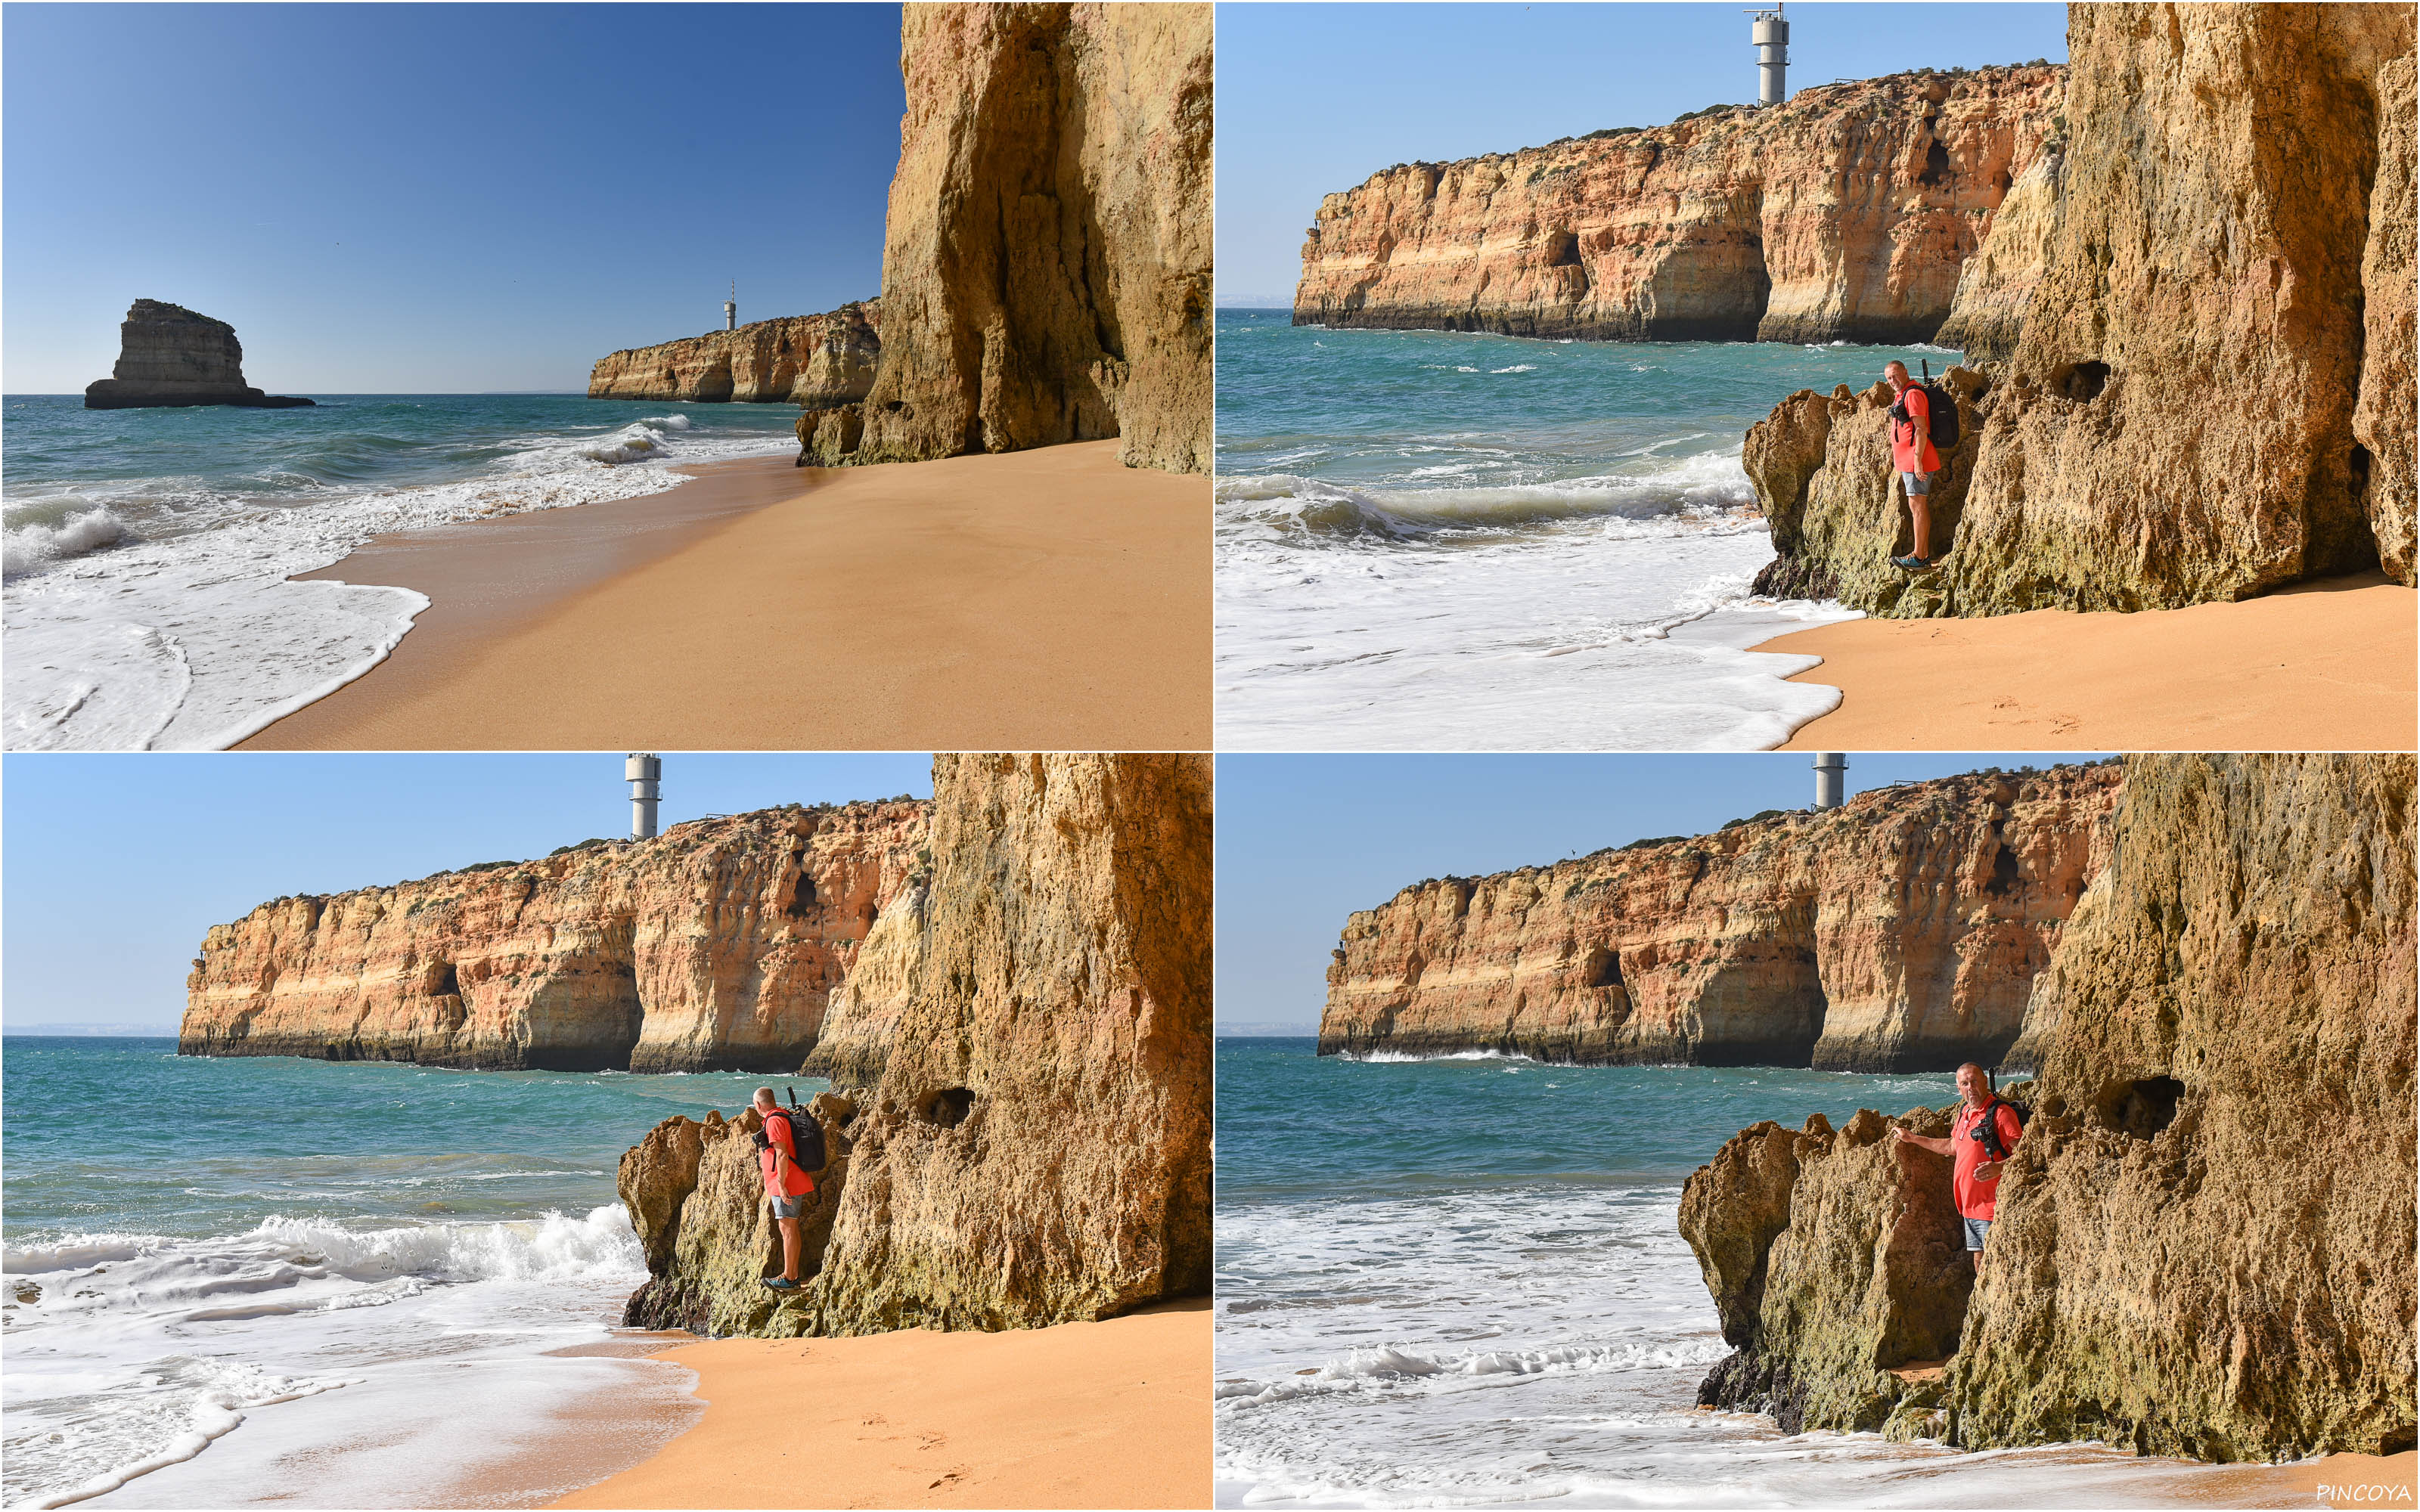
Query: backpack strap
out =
(1992, 1144)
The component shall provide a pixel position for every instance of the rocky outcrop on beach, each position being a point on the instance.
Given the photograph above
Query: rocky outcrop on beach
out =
(716, 945)
(2196, 332)
(812, 359)
(2204, 1244)
(1045, 272)
(1037, 1148)
(1901, 931)
(1846, 213)
(171, 358)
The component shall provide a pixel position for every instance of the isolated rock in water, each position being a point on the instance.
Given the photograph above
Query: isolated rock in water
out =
(1846, 213)
(715, 946)
(2204, 1245)
(170, 358)
(1901, 932)
(1038, 1149)
(1045, 273)
(2210, 389)
(809, 360)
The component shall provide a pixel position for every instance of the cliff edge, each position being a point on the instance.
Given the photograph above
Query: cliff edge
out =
(1846, 213)
(2204, 1245)
(2194, 337)
(1037, 1148)
(170, 358)
(808, 360)
(1901, 931)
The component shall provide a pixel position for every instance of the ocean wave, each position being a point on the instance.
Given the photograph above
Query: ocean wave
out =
(1291, 504)
(79, 529)
(1390, 1368)
(192, 1400)
(1392, 1058)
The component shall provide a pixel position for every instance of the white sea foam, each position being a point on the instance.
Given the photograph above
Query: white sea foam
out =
(131, 1354)
(1608, 611)
(192, 636)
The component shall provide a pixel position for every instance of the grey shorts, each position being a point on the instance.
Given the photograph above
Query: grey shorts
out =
(790, 1207)
(1975, 1230)
(1917, 484)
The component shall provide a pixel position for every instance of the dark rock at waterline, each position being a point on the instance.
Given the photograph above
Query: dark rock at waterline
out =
(169, 357)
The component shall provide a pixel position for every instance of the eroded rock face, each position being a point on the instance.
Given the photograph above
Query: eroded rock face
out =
(1901, 931)
(171, 358)
(815, 360)
(1045, 273)
(715, 946)
(2209, 392)
(1037, 1148)
(1846, 213)
(2204, 1244)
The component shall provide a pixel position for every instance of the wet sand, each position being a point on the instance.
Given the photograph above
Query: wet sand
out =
(1114, 1414)
(2324, 665)
(1049, 599)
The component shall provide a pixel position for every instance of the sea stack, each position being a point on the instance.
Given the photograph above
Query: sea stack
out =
(169, 357)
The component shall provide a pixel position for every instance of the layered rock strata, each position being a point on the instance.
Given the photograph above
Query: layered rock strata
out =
(1847, 213)
(1037, 1148)
(1045, 272)
(810, 360)
(2200, 324)
(2204, 1245)
(716, 945)
(171, 358)
(1901, 931)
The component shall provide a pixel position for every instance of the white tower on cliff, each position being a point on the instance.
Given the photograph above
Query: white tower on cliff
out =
(644, 772)
(731, 308)
(1831, 779)
(1772, 37)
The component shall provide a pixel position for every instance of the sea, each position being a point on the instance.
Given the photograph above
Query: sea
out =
(1431, 540)
(324, 1283)
(147, 606)
(1460, 1282)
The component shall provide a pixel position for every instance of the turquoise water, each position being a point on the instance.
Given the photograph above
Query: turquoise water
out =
(1445, 540)
(1460, 1282)
(242, 1267)
(147, 550)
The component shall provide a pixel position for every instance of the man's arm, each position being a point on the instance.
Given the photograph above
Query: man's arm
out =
(1939, 1146)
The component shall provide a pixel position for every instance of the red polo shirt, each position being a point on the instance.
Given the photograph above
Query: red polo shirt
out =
(1973, 1197)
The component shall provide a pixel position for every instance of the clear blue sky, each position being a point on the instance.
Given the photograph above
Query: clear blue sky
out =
(1304, 840)
(1313, 98)
(115, 866)
(435, 198)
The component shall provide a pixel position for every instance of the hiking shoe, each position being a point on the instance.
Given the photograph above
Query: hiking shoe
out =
(1911, 564)
(780, 1283)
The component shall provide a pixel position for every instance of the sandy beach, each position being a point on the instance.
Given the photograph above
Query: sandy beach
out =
(2323, 665)
(1047, 599)
(1114, 1414)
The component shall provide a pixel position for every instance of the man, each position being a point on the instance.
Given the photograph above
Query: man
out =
(1975, 1180)
(1912, 453)
(787, 1185)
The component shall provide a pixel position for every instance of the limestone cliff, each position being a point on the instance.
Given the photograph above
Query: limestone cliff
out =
(1846, 213)
(810, 360)
(715, 946)
(2204, 1245)
(2200, 331)
(1046, 271)
(1037, 1148)
(1901, 931)
(171, 358)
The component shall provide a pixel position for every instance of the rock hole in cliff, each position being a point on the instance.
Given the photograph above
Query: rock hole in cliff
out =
(946, 1108)
(803, 897)
(1601, 968)
(447, 983)
(2358, 466)
(2141, 1108)
(1936, 164)
(2080, 380)
(1562, 250)
(2005, 873)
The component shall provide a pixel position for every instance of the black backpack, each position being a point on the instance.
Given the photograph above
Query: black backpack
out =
(1941, 419)
(806, 1135)
(1986, 1130)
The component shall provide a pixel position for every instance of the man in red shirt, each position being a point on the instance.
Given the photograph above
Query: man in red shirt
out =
(1974, 1179)
(787, 1185)
(1912, 453)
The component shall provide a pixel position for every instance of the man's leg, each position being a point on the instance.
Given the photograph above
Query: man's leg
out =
(1919, 510)
(789, 1227)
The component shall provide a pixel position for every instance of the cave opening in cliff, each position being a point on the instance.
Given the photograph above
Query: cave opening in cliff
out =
(803, 897)
(1562, 250)
(2081, 382)
(2141, 1108)
(1601, 968)
(946, 1108)
(1936, 164)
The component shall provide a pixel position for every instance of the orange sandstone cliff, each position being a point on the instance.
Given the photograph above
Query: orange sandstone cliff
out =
(715, 946)
(2194, 325)
(2204, 1244)
(1901, 931)
(1846, 213)
(809, 360)
(1037, 1147)
(1045, 270)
